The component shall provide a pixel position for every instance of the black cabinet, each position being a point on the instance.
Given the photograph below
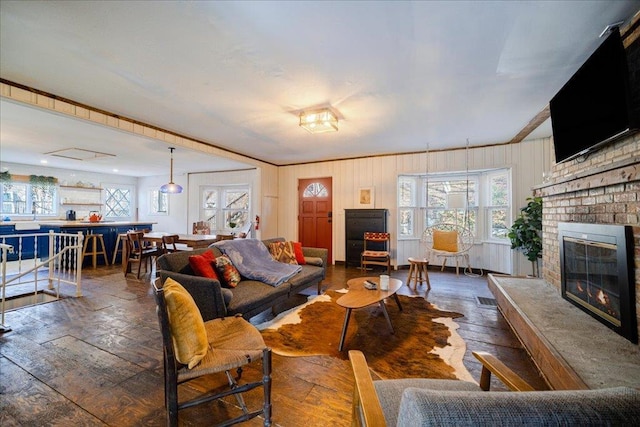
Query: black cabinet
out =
(357, 222)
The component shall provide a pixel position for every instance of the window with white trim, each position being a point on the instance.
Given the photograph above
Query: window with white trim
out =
(225, 208)
(158, 202)
(487, 194)
(498, 211)
(25, 199)
(118, 201)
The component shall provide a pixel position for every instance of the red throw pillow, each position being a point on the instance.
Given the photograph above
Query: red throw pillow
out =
(297, 249)
(230, 274)
(202, 265)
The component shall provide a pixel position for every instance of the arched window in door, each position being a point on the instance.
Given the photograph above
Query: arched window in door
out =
(315, 189)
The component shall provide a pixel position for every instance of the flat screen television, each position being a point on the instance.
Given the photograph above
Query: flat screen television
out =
(594, 107)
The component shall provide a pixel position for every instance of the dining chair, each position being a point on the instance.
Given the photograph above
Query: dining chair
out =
(138, 252)
(170, 244)
(376, 250)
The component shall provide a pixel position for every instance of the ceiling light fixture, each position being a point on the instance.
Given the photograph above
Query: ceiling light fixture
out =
(171, 187)
(319, 121)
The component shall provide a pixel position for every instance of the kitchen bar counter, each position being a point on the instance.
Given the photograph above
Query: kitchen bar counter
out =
(64, 224)
(108, 229)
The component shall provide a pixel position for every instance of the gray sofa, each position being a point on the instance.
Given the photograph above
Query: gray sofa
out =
(249, 297)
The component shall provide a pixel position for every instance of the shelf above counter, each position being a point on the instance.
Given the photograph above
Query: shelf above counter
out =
(76, 187)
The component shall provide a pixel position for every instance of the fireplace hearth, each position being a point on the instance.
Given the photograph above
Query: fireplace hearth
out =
(596, 264)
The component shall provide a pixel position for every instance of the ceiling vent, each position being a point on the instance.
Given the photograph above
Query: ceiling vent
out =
(79, 154)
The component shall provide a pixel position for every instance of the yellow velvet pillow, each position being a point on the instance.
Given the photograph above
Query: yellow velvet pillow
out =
(189, 336)
(445, 241)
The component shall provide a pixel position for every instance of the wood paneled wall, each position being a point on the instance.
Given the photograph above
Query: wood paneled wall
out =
(527, 160)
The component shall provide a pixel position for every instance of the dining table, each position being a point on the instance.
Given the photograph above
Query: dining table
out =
(193, 241)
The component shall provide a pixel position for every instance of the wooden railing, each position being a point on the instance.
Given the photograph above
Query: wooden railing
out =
(23, 264)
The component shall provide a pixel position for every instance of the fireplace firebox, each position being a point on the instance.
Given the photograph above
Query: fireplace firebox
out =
(596, 264)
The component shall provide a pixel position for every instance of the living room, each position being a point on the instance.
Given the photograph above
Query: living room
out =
(530, 163)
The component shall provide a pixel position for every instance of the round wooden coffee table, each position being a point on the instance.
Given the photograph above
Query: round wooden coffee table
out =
(359, 297)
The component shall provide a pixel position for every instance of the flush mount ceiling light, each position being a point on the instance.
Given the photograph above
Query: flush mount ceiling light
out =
(319, 121)
(171, 187)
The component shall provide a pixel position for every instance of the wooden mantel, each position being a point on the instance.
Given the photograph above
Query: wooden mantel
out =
(606, 175)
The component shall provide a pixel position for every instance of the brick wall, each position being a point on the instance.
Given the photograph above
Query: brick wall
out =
(603, 189)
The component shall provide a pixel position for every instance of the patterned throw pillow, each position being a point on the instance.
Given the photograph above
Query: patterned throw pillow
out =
(283, 252)
(228, 271)
(202, 265)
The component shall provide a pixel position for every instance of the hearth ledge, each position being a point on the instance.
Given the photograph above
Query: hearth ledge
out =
(591, 357)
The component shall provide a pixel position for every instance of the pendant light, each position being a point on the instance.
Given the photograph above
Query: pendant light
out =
(171, 187)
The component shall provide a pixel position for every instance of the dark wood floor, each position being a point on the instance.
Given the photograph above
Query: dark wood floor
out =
(96, 360)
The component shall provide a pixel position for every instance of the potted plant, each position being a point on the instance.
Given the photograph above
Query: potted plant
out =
(526, 232)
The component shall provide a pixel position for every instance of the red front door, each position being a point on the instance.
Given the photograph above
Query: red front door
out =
(315, 214)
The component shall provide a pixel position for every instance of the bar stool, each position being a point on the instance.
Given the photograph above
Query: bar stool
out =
(94, 239)
(121, 241)
(418, 267)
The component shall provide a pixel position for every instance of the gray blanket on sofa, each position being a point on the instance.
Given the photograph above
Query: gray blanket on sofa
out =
(253, 260)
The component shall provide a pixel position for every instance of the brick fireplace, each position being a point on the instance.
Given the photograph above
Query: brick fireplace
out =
(601, 189)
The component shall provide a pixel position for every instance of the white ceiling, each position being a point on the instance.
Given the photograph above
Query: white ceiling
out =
(402, 75)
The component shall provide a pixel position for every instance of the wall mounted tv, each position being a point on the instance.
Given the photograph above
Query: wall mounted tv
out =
(594, 107)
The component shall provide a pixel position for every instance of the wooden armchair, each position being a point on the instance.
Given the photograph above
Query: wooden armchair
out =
(426, 402)
(194, 348)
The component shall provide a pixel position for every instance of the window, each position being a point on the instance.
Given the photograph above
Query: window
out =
(225, 208)
(488, 196)
(118, 202)
(498, 205)
(407, 204)
(26, 199)
(158, 202)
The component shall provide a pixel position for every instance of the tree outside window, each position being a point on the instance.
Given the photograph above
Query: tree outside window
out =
(225, 208)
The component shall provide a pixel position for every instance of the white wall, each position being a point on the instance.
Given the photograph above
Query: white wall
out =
(69, 177)
(176, 219)
(527, 160)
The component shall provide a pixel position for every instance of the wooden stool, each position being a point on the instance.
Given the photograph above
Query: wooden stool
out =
(120, 242)
(416, 269)
(94, 238)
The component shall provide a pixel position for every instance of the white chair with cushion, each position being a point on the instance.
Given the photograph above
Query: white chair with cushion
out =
(446, 241)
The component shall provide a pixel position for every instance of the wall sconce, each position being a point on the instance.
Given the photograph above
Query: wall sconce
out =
(319, 121)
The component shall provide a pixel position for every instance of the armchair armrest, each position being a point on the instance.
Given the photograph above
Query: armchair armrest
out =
(321, 253)
(491, 364)
(207, 293)
(366, 406)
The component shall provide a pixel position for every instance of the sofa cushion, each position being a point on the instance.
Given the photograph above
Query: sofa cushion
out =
(250, 295)
(308, 275)
(203, 265)
(228, 272)
(390, 392)
(427, 407)
(188, 333)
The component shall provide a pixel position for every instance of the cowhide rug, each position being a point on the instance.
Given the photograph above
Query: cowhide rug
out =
(425, 343)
